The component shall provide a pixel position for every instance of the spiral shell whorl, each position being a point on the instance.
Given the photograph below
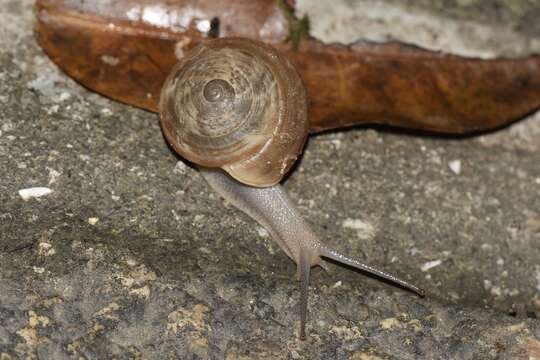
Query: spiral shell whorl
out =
(239, 105)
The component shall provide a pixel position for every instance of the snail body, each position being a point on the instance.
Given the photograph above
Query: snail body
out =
(236, 105)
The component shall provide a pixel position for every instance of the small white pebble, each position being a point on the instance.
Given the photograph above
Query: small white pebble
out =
(53, 109)
(430, 265)
(46, 249)
(198, 218)
(262, 232)
(390, 323)
(486, 247)
(131, 262)
(115, 197)
(69, 146)
(455, 166)
(364, 229)
(176, 217)
(500, 261)
(7, 126)
(106, 111)
(356, 224)
(143, 292)
(537, 180)
(205, 250)
(487, 284)
(336, 143)
(35, 192)
(337, 284)
(496, 291)
(38, 270)
(45, 245)
(180, 167)
(93, 220)
(64, 96)
(53, 175)
(21, 165)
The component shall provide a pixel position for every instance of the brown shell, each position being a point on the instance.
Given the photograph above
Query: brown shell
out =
(117, 49)
(239, 105)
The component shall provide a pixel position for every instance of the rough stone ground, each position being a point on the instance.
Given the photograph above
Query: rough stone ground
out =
(133, 256)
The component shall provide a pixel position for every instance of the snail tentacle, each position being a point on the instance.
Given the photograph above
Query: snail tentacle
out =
(326, 252)
(304, 269)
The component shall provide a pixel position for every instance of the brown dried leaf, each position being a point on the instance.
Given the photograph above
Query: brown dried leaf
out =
(124, 50)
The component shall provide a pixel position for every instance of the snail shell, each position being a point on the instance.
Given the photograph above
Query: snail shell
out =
(238, 105)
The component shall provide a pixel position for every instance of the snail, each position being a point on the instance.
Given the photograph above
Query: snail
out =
(237, 109)
(364, 83)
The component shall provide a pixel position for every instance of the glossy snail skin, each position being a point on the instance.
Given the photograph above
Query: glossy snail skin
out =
(208, 100)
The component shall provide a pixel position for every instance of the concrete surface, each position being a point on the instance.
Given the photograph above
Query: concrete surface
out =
(133, 256)
(479, 28)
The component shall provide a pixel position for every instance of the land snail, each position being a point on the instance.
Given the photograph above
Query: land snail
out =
(238, 110)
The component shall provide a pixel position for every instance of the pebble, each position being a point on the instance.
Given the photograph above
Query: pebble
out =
(430, 265)
(365, 230)
(180, 167)
(455, 166)
(53, 175)
(106, 112)
(262, 232)
(64, 96)
(35, 192)
(38, 270)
